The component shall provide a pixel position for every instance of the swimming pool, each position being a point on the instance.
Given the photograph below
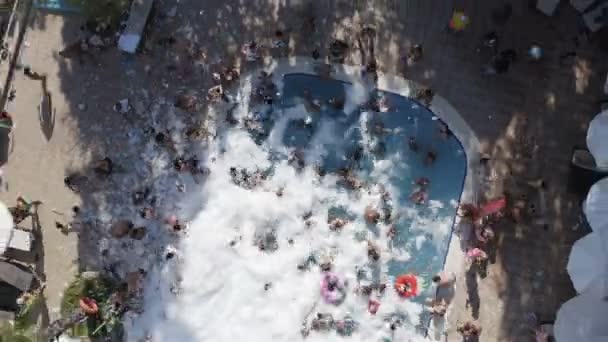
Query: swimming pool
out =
(424, 231)
(292, 175)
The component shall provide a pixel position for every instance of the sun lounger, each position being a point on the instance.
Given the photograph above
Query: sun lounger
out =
(21, 240)
(15, 276)
(131, 36)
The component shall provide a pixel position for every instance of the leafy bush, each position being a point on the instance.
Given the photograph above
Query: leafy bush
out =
(100, 289)
(9, 334)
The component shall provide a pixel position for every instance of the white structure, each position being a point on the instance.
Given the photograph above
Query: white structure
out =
(597, 139)
(595, 206)
(9, 236)
(588, 263)
(583, 318)
(6, 227)
(130, 38)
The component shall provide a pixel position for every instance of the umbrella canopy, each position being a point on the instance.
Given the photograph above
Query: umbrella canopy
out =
(6, 227)
(597, 136)
(588, 263)
(596, 205)
(583, 318)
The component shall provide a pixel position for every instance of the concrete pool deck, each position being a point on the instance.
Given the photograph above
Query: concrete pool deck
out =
(455, 260)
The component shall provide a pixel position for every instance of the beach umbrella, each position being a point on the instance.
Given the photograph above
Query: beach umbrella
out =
(6, 227)
(583, 318)
(588, 262)
(595, 206)
(597, 138)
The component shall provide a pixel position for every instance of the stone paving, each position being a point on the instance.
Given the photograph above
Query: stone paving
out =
(527, 119)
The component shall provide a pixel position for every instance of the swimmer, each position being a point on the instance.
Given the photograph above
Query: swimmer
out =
(309, 102)
(431, 156)
(412, 144)
(383, 105)
(423, 181)
(147, 213)
(337, 223)
(296, 158)
(444, 131)
(371, 215)
(337, 102)
(391, 232)
(384, 194)
(419, 197)
(323, 322)
(378, 128)
(372, 251)
(179, 164)
(352, 182)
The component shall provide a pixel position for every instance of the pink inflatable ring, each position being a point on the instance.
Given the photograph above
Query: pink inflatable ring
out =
(332, 289)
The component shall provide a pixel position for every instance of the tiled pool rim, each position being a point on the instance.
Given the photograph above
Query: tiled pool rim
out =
(454, 260)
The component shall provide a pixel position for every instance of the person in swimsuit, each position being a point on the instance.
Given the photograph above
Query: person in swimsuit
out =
(412, 144)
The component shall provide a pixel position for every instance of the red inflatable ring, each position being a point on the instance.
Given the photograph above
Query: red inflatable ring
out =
(88, 305)
(406, 285)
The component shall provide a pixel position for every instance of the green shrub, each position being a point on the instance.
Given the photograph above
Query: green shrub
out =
(100, 289)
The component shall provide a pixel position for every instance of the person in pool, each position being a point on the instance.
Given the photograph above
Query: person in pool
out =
(412, 144)
(391, 232)
(444, 131)
(431, 156)
(423, 181)
(419, 196)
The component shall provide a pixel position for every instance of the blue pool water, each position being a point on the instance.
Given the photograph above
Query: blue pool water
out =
(424, 235)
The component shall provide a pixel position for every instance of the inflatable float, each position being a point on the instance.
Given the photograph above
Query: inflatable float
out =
(406, 285)
(332, 289)
(88, 305)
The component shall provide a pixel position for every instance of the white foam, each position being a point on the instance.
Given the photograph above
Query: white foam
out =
(221, 287)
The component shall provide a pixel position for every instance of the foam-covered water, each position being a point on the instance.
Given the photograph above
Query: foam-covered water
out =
(224, 287)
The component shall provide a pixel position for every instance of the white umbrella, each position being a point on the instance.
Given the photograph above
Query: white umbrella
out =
(583, 318)
(588, 262)
(6, 227)
(596, 205)
(597, 136)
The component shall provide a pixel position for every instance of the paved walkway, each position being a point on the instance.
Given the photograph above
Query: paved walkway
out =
(527, 119)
